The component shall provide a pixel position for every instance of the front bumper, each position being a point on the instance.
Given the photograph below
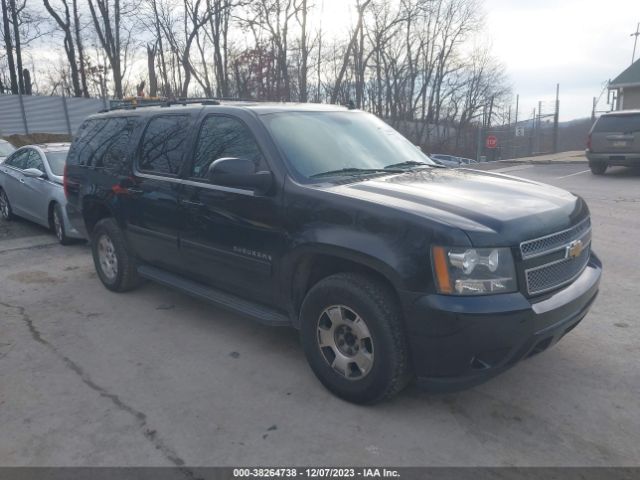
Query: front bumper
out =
(623, 159)
(458, 342)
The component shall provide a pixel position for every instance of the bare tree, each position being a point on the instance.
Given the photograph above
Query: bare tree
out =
(64, 22)
(115, 39)
(8, 45)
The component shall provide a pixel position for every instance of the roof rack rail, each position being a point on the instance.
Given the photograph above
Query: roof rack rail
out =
(134, 103)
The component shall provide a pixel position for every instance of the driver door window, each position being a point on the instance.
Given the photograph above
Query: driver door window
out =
(18, 159)
(223, 137)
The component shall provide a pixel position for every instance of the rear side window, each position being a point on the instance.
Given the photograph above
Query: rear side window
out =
(164, 143)
(618, 123)
(18, 159)
(102, 142)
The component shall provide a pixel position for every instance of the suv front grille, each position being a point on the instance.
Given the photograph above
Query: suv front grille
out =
(561, 268)
(555, 241)
(556, 274)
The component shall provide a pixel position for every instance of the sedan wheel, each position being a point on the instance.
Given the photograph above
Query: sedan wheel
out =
(57, 225)
(5, 206)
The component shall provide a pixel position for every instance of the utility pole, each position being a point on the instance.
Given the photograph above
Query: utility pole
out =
(539, 129)
(556, 117)
(635, 42)
(516, 125)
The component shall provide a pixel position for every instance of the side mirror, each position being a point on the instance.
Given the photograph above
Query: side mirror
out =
(239, 173)
(33, 173)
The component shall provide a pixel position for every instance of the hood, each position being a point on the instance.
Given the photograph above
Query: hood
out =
(492, 209)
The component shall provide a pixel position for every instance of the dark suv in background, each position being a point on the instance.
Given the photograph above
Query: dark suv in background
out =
(614, 139)
(328, 220)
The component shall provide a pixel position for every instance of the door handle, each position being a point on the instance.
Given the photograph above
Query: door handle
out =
(22, 180)
(192, 203)
(135, 191)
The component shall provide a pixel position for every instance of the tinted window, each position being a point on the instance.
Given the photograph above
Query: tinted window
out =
(116, 152)
(18, 159)
(164, 144)
(56, 162)
(34, 161)
(222, 137)
(618, 123)
(102, 142)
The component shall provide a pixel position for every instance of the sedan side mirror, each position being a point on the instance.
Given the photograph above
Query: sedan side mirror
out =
(239, 173)
(33, 173)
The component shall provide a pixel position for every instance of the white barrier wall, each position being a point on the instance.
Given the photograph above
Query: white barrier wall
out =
(34, 114)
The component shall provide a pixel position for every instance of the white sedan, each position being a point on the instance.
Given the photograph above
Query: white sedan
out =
(31, 187)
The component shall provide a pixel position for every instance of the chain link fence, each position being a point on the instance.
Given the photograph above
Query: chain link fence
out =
(24, 115)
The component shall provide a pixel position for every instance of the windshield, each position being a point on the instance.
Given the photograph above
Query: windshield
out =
(56, 162)
(6, 149)
(344, 143)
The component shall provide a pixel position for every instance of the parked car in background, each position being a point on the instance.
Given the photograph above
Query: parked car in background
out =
(328, 220)
(31, 187)
(451, 160)
(614, 139)
(6, 149)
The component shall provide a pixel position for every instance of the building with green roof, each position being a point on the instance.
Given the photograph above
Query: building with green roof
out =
(627, 85)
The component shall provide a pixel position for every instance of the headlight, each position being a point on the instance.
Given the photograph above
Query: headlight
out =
(473, 271)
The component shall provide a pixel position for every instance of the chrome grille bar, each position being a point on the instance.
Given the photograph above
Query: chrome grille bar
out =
(555, 241)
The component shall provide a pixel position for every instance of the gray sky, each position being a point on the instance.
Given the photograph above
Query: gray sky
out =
(578, 43)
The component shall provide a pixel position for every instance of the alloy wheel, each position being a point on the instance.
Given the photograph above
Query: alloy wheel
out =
(4, 205)
(107, 258)
(345, 342)
(57, 224)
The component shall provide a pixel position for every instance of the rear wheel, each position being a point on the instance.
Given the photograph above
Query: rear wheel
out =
(353, 337)
(5, 207)
(598, 168)
(114, 264)
(58, 226)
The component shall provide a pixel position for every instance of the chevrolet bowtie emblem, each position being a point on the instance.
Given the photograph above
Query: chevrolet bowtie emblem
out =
(574, 249)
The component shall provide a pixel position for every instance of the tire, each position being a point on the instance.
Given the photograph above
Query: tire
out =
(373, 363)
(6, 213)
(598, 168)
(114, 264)
(57, 224)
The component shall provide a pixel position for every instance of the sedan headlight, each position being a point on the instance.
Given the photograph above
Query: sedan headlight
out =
(473, 271)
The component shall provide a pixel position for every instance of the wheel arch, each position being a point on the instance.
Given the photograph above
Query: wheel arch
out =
(310, 265)
(95, 209)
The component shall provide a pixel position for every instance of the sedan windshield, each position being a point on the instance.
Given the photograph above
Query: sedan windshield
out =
(6, 149)
(323, 144)
(56, 161)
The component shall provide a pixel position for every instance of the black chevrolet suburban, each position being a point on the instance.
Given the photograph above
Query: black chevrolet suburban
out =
(327, 220)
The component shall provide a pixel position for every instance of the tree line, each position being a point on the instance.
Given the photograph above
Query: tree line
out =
(419, 64)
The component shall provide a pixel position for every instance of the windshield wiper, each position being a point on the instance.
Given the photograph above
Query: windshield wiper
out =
(411, 163)
(355, 171)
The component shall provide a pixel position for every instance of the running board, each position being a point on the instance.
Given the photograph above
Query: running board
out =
(262, 314)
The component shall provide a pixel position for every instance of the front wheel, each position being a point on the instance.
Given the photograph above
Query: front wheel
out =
(598, 168)
(114, 264)
(353, 337)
